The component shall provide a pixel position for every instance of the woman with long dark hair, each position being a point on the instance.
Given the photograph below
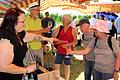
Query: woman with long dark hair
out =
(12, 46)
(11, 65)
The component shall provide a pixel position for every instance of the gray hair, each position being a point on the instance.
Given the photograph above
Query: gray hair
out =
(67, 17)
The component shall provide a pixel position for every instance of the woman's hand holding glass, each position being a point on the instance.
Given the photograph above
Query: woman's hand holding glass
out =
(68, 47)
(52, 40)
(31, 68)
(115, 75)
(49, 24)
(69, 51)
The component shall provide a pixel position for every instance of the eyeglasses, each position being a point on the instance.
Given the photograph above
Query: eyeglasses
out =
(21, 21)
(36, 9)
(84, 25)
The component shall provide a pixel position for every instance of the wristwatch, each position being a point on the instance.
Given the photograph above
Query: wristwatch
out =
(116, 71)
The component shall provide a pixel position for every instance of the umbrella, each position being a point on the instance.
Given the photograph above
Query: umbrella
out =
(57, 3)
(113, 7)
(109, 15)
(5, 4)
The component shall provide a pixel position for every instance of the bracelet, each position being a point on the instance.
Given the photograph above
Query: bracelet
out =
(26, 71)
(57, 77)
(116, 71)
(35, 37)
(39, 38)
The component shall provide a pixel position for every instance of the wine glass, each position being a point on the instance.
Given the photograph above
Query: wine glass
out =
(49, 24)
(67, 55)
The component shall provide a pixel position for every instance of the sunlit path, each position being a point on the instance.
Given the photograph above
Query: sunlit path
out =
(81, 76)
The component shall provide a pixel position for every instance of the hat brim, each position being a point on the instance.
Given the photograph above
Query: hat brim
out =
(99, 30)
(34, 6)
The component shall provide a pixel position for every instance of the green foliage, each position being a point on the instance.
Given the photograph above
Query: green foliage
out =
(41, 15)
(57, 18)
(74, 17)
(82, 17)
(86, 17)
(79, 16)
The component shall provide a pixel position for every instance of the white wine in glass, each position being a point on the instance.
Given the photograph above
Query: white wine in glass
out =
(67, 55)
(49, 24)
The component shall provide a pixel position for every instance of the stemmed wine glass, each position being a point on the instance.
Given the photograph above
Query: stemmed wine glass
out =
(49, 24)
(67, 55)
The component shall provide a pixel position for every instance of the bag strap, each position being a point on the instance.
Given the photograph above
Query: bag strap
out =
(84, 35)
(109, 42)
(59, 31)
(95, 41)
(94, 34)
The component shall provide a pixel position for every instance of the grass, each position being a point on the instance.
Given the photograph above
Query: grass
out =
(76, 66)
(76, 69)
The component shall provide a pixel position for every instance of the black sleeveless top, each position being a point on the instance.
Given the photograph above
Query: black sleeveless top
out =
(20, 49)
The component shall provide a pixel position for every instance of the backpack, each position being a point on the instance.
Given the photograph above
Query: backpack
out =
(109, 42)
(58, 34)
(84, 35)
(59, 31)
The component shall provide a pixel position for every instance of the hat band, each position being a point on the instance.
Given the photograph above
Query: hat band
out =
(34, 6)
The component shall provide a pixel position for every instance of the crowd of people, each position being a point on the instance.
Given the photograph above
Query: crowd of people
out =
(21, 43)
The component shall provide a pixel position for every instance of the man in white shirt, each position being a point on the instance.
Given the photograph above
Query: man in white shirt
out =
(109, 24)
(117, 24)
(93, 21)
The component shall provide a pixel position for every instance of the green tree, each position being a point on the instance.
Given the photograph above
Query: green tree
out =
(86, 17)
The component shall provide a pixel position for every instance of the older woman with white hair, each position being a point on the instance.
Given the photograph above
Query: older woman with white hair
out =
(106, 53)
(68, 35)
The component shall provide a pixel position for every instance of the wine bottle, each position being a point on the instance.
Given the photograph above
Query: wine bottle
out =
(25, 77)
(50, 66)
(47, 65)
(31, 77)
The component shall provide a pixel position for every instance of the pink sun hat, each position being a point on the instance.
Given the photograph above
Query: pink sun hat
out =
(101, 26)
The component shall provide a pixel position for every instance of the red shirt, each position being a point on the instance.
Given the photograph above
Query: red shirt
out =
(65, 36)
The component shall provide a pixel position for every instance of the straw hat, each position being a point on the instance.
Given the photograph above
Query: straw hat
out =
(32, 5)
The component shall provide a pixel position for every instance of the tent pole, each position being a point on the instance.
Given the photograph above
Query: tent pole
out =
(39, 2)
(39, 5)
